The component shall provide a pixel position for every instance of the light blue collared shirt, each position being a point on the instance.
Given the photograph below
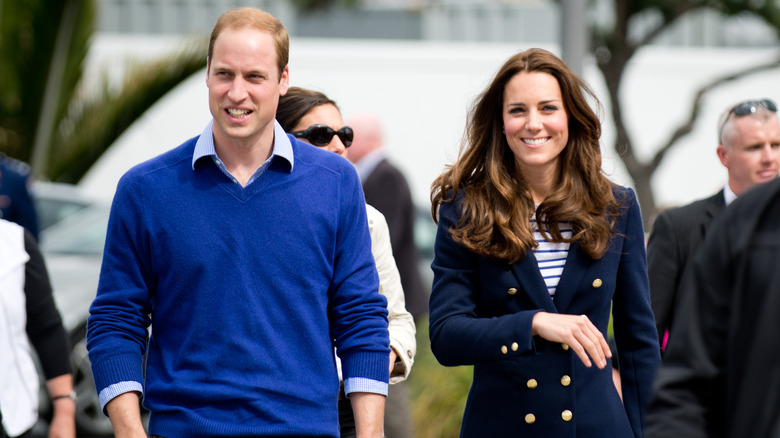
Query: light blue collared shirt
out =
(204, 147)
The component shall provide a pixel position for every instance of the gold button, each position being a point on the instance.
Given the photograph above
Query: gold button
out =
(504, 349)
(515, 346)
(511, 291)
(566, 415)
(597, 283)
(565, 346)
(565, 380)
(531, 383)
(409, 353)
(530, 418)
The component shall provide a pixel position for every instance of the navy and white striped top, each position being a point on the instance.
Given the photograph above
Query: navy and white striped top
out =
(551, 256)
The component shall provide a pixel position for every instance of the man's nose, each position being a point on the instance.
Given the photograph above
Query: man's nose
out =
(237, 90)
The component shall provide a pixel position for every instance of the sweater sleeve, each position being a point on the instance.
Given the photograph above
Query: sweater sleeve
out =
(44, 324)
(120, 314)
(358, 313)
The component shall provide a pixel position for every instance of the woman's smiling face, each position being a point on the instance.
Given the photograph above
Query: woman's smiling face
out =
(535, 121)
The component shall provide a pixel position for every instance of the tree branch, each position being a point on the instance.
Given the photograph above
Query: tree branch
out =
(687, 126)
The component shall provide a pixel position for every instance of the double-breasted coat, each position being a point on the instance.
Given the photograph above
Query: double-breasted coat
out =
(481, 312)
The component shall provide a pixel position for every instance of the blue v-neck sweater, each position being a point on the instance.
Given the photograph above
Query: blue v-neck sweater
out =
(249, 288)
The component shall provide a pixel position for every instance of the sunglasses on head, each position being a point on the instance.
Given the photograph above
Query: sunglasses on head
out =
(322, 135)
(749, 107)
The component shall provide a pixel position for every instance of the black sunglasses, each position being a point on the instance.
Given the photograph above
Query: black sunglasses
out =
(322, 135)
(748, 107)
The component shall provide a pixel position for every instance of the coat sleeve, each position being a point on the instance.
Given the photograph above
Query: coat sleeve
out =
(690, 389)
(401, 324)
(663, 269)
(459, 334)
(634, 326)
(44, 324)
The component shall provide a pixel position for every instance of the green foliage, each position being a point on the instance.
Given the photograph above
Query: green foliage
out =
(438, 393)
(28, 34)
(94, 123)
(46, 116)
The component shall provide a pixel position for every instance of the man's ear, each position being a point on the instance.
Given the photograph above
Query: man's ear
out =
(284, 81)
(722, 155)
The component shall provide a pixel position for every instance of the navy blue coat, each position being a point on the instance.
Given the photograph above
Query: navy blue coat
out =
(481, 312)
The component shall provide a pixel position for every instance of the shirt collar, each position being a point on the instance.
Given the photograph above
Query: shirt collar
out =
(728, 195)
(204, 146)
(368, 163)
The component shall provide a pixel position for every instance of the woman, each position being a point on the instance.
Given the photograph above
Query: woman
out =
(314, 118)
(534, 246)
(29, 317)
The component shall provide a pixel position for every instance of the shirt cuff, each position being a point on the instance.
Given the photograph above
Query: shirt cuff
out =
(110, 392)
(362, 384)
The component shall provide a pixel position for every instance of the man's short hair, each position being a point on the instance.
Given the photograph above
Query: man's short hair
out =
(254, 19)
(725, 117)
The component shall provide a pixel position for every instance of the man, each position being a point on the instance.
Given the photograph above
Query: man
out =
(386, 190)
(749, 137)
(720, 372)
(16, 203)
(250, 252)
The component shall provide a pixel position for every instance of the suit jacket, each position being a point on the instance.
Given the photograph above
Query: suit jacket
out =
(386, 190)
(676, 236)
(721, 372)
(481, 313)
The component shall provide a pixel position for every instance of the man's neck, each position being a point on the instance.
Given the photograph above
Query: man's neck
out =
(242, 157)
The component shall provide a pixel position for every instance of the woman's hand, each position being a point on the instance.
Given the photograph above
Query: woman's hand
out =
(393, 357)
(575, 330)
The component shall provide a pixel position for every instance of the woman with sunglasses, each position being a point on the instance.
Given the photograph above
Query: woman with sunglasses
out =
(312, 117)
(534, 247)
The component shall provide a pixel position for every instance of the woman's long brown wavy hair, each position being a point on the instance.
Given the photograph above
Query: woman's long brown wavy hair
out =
(497, 203)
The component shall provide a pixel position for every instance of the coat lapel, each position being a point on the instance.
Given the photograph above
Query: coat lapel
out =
(577, 263)
(531, 281)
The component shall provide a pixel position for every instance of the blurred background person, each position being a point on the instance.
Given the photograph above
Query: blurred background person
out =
(387, 190)
(28, 316)
(534, 246)
(749, 148)
(719, 376)
(313, 117)
(16, 202)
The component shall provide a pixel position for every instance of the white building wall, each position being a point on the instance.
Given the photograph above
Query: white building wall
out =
(423, 90)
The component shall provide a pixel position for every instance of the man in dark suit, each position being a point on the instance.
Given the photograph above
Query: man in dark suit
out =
(720, 373)
(749, 148)
(386, 189)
